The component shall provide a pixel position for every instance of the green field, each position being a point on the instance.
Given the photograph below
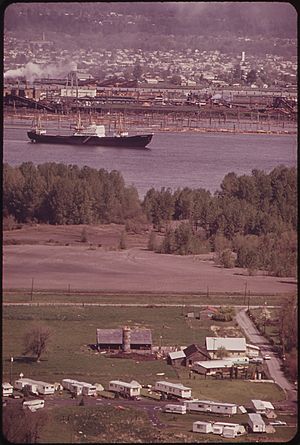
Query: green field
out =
(69, 356)
(144, 298)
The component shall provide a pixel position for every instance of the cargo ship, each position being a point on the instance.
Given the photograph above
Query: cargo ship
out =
(91, 135)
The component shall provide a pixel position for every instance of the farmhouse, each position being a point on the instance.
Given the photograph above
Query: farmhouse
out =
(125, 339)
(264, 407)
(208, 406)
(176, 358)
(173, 389)
(256, 423)
(187, 356)
(195, 353)
(252, 350)
(235, 346)
(213, 367)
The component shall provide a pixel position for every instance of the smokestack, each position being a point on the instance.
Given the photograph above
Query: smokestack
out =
(126, 339)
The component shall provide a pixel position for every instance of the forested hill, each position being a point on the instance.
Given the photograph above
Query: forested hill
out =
(253, 216)
(128, 24)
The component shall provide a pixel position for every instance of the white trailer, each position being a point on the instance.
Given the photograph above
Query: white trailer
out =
(79, 388)
(7, 389)
(176, 409)
(34, 386)
(125, 389)
(88, 389)
(202, 427)
(211, 407)
(33, 405)
(230, 429)
(173, 389)
(256, 423)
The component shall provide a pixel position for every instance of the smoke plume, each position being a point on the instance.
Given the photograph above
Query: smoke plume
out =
(32, 71)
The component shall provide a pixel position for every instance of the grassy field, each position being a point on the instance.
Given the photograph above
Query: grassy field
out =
(127, 425)
(186, 299)
(69, 356)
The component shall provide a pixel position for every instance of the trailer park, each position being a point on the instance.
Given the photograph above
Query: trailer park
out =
(134, 362)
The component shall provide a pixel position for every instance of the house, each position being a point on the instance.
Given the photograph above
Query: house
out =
(264, 407)
(208, 406)
(235, 346)
(252, 350)
(125, 389)
(202, 427)
(125, 339)
(256, 423)
(7, 389)
(173, 389)
(176, 358)
(230, 366)
(195, 353)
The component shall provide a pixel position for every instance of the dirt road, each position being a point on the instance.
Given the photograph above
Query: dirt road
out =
(274, 365)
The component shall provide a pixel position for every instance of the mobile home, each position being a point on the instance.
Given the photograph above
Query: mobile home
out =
(230, 429)
(88, 389)
(33, 405)
(178, 409)
(7, 389)
(173, 389)
(256, 423)
(264, 407)
(202, 427)
(124, 388)
(211, 407)
(34, 386)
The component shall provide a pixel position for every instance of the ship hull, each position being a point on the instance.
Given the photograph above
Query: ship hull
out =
(138, 141)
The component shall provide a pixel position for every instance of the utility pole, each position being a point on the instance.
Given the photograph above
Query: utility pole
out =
(31, 294)
(248, 300)
(245, 292)
(11, 365)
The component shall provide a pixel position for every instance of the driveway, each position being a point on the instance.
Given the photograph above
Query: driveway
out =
(274, 365)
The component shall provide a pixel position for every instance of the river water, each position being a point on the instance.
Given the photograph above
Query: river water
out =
(174, 160)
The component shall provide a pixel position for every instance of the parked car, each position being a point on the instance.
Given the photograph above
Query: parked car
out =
(267, 357)
(278, 423)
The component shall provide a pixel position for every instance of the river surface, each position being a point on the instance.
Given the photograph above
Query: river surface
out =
(174, 160)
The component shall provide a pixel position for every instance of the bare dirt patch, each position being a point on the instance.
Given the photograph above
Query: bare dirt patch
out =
(98, 264)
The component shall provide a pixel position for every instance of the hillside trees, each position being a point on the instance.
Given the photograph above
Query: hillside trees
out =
(253, 215)
(65, 194)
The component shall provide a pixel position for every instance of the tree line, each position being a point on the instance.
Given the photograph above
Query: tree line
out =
(250, 222)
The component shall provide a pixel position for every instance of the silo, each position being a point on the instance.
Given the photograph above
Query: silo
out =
(126, 339)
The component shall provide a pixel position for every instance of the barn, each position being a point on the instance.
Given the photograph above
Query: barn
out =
(194, 353)
(125, 339)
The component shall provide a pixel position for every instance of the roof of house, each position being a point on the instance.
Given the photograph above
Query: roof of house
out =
(126, 384)
(174, 385)
(191, 349)
(176, 354)
(256, 418)
(115, 336)
(252, 347)
(262, 404)
(229, 343)
(210, 364)
(209, 402)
